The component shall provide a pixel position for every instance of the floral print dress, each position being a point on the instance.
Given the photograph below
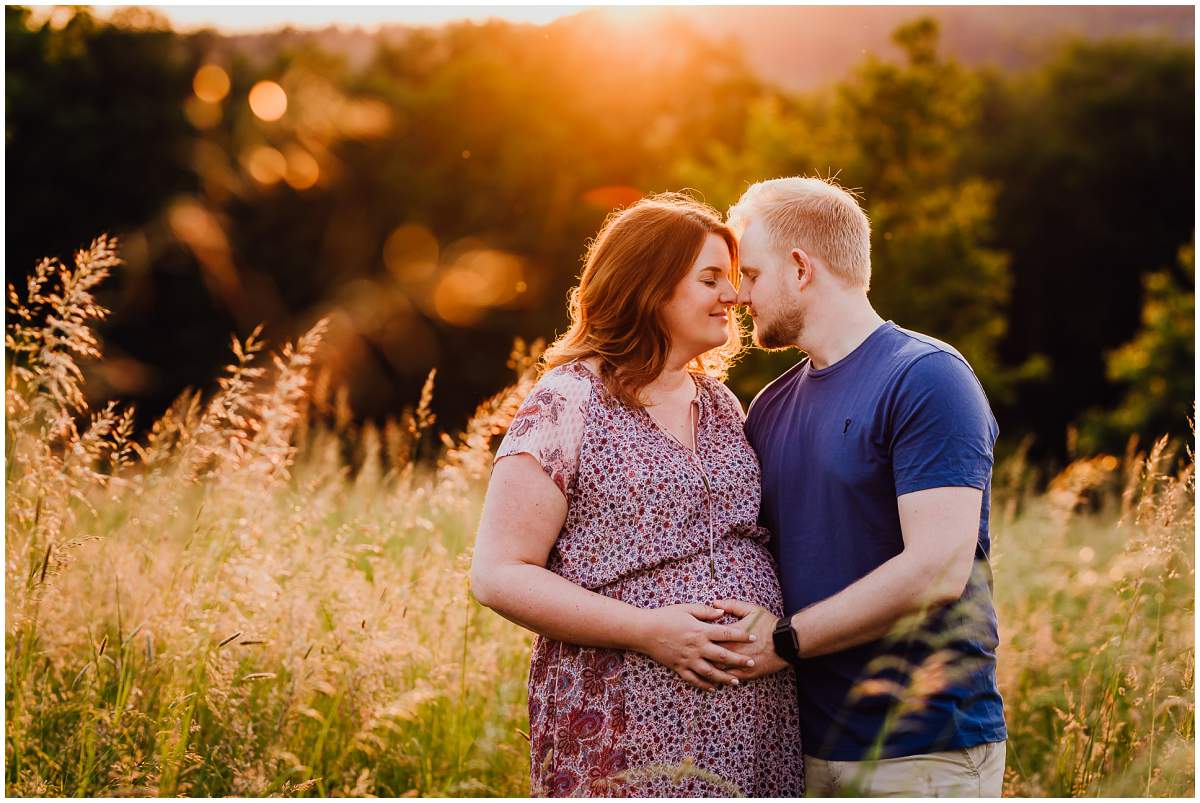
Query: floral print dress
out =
(652, 523)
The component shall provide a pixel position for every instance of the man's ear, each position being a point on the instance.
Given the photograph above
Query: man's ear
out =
(802, 263)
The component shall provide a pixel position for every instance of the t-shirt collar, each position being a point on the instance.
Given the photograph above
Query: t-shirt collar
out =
(820, 373)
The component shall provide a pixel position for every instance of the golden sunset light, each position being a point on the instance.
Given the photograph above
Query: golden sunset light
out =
(641, 401)
(245, 19)
(268, 101)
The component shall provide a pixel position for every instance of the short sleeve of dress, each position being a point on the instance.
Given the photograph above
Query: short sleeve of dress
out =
(730, 400)
(549, 425)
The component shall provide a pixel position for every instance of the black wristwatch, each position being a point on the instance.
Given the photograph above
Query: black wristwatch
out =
(786, 646)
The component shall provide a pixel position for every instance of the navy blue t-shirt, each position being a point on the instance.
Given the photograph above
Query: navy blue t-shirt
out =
(901, 413)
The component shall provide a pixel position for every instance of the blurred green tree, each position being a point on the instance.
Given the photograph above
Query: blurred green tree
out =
(1014, 215)
(906, 128)
(523, 139)
(1155, 368)
(94, 132)
(896, 133)
(1094, 158)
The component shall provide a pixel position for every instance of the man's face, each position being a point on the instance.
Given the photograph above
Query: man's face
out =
(768, 290)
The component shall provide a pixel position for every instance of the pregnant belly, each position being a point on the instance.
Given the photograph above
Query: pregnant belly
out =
(740, 569)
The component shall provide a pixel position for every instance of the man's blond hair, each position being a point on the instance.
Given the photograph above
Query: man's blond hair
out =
(813, 214)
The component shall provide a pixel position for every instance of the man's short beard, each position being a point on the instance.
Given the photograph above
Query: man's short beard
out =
(782, 332)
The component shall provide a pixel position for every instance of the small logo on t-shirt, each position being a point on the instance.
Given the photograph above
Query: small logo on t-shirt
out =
(846, 426)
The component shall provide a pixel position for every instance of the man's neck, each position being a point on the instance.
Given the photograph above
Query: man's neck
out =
(841, 328)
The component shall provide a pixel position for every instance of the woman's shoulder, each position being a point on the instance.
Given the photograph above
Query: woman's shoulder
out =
(562, 392)
(724, 398)
(571, 380)
(555, 408)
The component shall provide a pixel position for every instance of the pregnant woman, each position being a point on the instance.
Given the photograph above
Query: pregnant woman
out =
(623, 502)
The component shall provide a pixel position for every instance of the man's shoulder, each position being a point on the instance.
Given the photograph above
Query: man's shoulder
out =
(919, 359)
(772, 389)
(909, 346)
(932, 375)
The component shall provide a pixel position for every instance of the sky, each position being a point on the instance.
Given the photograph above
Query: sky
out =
(254, 18)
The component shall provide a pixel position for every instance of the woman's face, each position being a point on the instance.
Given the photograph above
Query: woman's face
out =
(697, 314)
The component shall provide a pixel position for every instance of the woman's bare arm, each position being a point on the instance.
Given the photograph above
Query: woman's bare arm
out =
(523, 514)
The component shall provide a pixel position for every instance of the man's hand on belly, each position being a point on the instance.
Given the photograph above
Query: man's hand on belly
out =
(759, 621)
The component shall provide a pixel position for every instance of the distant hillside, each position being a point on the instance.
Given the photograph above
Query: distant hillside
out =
(801, 47)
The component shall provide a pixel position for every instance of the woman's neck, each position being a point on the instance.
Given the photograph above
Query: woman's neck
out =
(673, 378)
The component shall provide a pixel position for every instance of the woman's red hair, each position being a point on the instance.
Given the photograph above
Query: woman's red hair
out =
(631, 269)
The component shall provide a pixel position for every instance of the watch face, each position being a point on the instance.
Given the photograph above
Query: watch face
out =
(785, 640)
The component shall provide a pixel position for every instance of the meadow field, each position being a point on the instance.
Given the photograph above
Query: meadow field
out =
(261, 597)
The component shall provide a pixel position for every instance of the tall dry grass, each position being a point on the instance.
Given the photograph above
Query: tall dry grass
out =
(1094, 583)
(1095, 591)
(260, 598)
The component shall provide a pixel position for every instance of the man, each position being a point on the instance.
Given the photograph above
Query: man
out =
(876, 458)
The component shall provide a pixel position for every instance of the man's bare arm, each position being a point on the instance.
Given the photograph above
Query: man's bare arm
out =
(940, 528)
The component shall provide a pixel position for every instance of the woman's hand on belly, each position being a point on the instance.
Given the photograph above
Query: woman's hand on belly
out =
(684, 639)
(759, 622)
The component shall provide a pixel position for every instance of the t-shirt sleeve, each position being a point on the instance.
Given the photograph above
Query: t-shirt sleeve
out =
(549, 425)
(943, 431)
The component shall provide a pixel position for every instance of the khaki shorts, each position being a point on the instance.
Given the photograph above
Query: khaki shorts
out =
(965, 772)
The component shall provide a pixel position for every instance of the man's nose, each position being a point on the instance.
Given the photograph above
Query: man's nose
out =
(743, 296)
